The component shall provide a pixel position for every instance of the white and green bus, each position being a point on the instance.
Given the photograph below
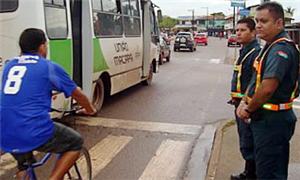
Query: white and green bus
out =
(105, 45)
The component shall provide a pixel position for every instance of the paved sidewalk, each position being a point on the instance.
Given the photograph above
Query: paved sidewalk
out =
(226, 158)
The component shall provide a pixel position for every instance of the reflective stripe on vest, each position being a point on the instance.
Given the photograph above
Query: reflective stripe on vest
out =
(237, 95)
(274, 107)
(238, 67)
(258, 67)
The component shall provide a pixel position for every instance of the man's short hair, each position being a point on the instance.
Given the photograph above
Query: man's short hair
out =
(275, 9)
(31, 39)
(249, 22)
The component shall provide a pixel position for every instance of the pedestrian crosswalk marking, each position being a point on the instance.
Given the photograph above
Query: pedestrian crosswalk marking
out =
(296, 101)
(168, 160)
(296, 106)
(6, 162)
(103, 152)
(140, 125)
(215, 61)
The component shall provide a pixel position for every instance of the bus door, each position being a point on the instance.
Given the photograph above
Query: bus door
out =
(82, 46)
(58, 31)
(75, 9)
(150, 35)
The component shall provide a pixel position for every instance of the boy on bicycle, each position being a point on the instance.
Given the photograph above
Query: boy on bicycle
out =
(25, 124)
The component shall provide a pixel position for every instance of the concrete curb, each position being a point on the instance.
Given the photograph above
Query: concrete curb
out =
(216, 149)
(198, 163)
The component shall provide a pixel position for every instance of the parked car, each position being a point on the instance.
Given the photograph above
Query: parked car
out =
(165, 51)
(232, 40)
(201, 38)
(184, 40)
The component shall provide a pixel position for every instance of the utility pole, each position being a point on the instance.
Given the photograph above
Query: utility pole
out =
(233, 25)
(207, 20)
(193, 18)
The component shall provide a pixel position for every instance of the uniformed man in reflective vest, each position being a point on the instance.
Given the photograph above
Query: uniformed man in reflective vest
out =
(270, 94)
(242, 74)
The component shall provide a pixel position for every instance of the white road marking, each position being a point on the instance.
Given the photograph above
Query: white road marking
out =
(141, 125)
(167, 162)
(6, 162)
(296, 106)
(103, 152)
(215, 61)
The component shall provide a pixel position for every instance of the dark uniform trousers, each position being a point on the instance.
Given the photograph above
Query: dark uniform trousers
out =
(245, 139)
(272, 132)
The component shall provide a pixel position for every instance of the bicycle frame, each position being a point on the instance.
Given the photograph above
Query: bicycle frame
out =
(30, 170)
(75, 172)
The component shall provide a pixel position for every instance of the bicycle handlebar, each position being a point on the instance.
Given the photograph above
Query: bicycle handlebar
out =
(70, 112)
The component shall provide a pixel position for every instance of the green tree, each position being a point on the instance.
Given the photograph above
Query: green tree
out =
(167, 22)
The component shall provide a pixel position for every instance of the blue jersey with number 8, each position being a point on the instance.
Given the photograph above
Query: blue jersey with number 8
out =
(27, 84)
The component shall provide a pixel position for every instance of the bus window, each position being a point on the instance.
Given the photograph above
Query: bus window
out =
(108, 22)
(59, 2)
(108, 25)
(125, 7)
(132, 27)
(153, 27)
(8, 5)
(56, 20)
(110, 6)
(134, 8)
(130, 10)
(97, 5)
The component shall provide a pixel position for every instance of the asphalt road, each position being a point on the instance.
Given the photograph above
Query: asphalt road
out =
(163, 131)
(192, 88)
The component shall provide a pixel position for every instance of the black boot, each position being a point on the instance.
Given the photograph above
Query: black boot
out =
(248, 174)
(250, 170)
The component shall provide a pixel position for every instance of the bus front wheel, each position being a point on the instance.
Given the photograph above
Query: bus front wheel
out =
(148, 81)
(98, 96)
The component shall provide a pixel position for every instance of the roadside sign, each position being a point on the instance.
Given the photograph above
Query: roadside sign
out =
(237, 3)
(244, 12)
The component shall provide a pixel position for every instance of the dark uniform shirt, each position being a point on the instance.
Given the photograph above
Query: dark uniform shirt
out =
(247, 66)
(282, 63)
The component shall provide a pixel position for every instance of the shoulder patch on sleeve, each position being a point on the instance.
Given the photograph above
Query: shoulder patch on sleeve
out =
(282, 54)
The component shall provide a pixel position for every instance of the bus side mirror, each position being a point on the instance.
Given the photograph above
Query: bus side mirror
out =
(159, 15)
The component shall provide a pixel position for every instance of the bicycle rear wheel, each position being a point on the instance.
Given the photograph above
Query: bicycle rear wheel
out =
(82, 169)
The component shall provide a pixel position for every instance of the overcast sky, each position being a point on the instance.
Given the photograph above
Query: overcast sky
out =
(175, 8)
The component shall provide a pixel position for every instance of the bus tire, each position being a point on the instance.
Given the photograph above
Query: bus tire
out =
(160, 60)
(169, 56)
(98, 96)
(148, 81)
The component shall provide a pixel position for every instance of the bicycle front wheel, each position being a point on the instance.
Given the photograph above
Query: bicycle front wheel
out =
(82, 169)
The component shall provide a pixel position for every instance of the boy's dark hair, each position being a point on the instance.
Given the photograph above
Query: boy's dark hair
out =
(250, 23)
(274, 8)
(31, 39)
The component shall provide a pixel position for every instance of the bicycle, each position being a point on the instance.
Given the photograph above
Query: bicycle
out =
(81, 170)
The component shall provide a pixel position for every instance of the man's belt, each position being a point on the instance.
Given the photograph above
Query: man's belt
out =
(274, 107)
(237, 95)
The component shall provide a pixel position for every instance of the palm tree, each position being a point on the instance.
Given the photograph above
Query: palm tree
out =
(290, 10)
